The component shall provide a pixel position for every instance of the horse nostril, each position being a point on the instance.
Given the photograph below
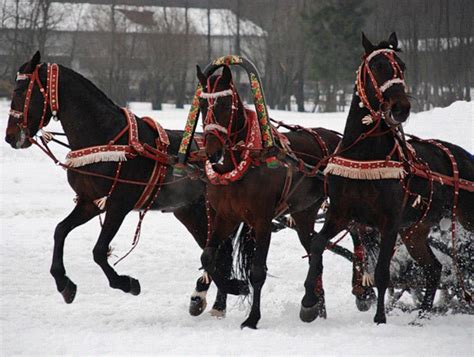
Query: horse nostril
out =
(8, 139)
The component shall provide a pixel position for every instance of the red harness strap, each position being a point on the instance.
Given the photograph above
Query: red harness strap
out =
(253, 141)
(159, 170)
(53, 80)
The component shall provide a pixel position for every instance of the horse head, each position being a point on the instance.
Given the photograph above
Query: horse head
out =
(380, 81)
(29, 105)
(222, 111)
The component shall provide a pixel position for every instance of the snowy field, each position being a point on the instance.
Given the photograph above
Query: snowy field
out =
(35, 321)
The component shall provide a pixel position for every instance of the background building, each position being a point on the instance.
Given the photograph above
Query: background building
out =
(306, 50)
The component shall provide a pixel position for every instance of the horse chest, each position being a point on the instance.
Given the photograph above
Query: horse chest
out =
(366, 201)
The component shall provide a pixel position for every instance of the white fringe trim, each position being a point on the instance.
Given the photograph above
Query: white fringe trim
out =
(96, 157)
(223, 93)
(377, 52)
(390, 83)
(366, 174)
(211, 127)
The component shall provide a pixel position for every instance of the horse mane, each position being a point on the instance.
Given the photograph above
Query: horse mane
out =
(96, 91)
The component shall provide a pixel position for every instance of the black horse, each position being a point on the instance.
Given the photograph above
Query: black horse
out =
(89, 118)
(382, 196)
(243, 189)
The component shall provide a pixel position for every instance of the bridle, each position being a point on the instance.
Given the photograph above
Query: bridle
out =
(50, 95)
(364, 71)
(227, 136)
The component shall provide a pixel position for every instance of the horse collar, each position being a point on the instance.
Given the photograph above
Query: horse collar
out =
(253, 142)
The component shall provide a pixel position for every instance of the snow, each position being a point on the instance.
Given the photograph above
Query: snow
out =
(35, 321)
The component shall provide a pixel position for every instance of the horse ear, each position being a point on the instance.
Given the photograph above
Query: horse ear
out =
(368, 46)
(34, 61)
(393, 41)
(202, 78)
(226, 75)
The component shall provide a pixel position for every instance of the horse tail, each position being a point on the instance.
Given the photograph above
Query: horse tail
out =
(243, 248)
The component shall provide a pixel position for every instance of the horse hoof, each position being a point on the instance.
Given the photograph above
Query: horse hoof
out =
(309, 314)
(365, 300)
(197, 305)
(220, 314)
(134, 287)
(69, 292)
(363, 305)
(249, 323)
(380, 319)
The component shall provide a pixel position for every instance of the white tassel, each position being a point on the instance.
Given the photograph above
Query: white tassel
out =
(417, 201)
(47, 136)
(325, 206)
(100, 202)
(367, 120)
(367, 279)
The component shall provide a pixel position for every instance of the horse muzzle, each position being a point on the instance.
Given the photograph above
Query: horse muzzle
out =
(18, 139)
(217, 158)
(396, 113)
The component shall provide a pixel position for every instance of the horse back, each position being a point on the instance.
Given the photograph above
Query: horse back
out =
(306, 146)
(440, 162)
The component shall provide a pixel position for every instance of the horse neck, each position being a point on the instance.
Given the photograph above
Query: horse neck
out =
(87, 116)
(242, 135)
(372, 147)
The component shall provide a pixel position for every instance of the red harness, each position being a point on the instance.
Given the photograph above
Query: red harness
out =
(253, 141)
(228, 136)
(101, 153)
(50, 94)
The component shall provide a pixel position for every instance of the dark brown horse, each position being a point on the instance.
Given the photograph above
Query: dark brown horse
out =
(243, 189)
(89, 119)
(372, 180)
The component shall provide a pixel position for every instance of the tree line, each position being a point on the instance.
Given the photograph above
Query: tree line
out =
(308, 51)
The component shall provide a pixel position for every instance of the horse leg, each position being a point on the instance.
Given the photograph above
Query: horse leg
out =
(421, 252)
(194, 218)
(83, 212)
(224, 264)
(258, 272)
(304, 224)
(382, 270)
(312, 304)
(222, 228)
(113, 220)
(198, 298)
(362, 280)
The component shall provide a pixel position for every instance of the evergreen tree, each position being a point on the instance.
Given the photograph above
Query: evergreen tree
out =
(333, 29)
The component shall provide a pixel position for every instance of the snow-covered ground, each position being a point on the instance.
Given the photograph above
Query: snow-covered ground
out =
(35, 321)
